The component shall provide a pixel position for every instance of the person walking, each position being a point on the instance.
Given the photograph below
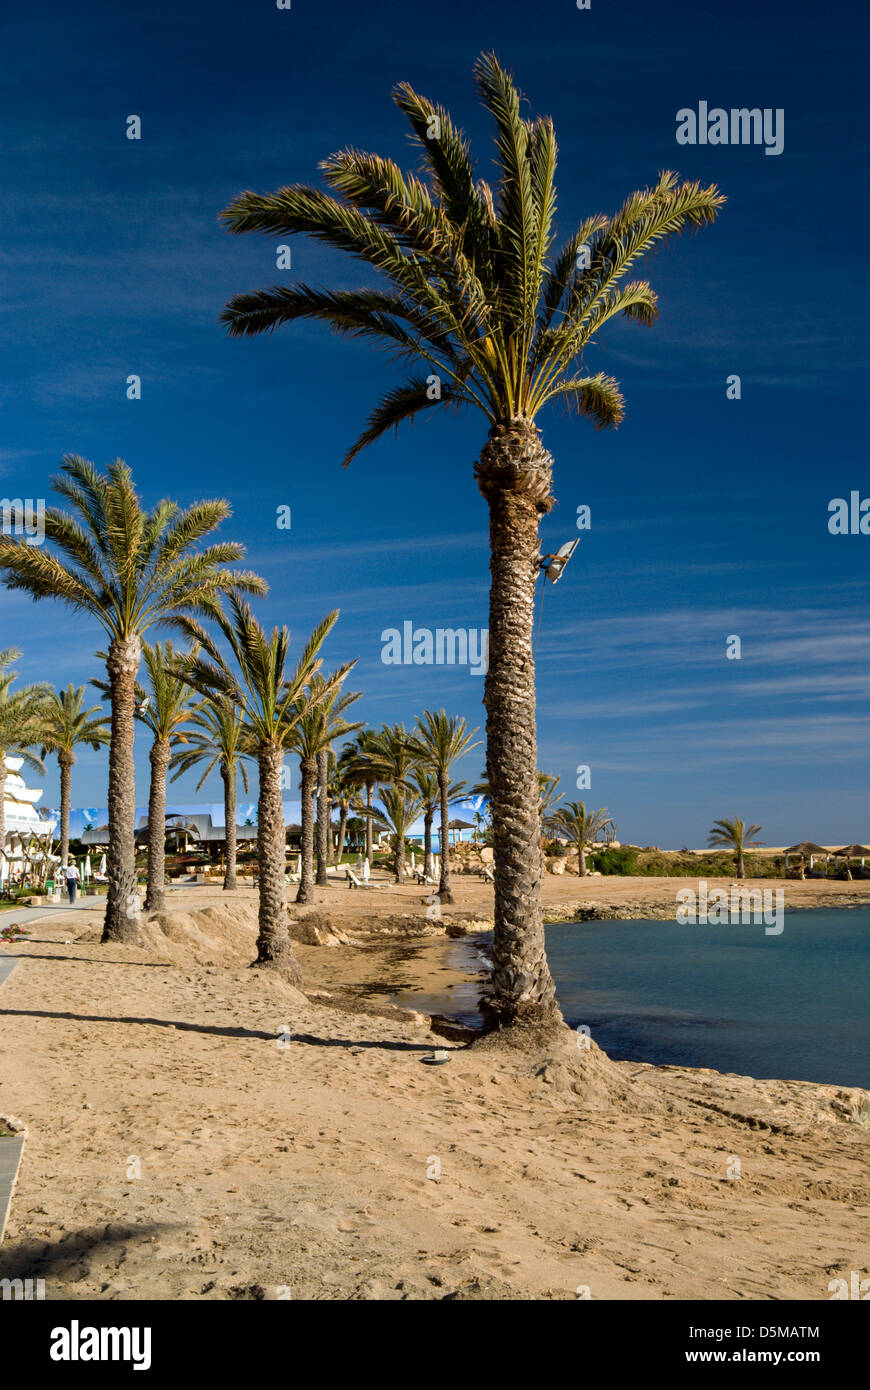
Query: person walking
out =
(72, 879)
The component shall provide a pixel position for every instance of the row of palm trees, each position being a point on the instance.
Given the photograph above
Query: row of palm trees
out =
(136, 569)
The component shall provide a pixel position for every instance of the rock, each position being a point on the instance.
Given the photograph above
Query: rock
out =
(315, 929)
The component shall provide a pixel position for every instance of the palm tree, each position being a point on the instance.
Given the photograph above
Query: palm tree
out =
(163, 708)
(347, 786)
(66, 724)
(429, 787)
(360, 756)
(321, 721)
(254, 683)
(400, 806)
(440, 741)
(582, 827)
(394, 758)
(129, 569)
(21, 726)
(737, 836)
(475, 292)
(216, 739)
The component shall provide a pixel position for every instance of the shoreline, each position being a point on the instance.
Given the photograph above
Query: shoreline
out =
(179, 1149)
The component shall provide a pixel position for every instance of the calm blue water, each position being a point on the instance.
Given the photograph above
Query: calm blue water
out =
(727, 997)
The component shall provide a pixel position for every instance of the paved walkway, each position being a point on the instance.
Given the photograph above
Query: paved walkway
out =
(10, 1157)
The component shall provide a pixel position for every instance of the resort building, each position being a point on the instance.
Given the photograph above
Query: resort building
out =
(29, 832)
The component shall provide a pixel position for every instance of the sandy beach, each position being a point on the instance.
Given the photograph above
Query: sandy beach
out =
(180, 1147)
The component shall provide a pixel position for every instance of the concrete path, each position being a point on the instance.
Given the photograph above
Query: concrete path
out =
(10, 1159)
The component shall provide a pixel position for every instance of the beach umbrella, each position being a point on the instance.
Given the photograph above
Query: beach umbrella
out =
(102, 866)
(86, 872)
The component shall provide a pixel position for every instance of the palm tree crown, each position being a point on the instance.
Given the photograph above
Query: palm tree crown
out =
(476, 289)
(214, 740)
(126, 567)
(21, 714)
(66, 722)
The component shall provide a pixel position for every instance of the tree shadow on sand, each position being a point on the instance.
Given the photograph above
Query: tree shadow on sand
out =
(38, 1259)
(215, 1030)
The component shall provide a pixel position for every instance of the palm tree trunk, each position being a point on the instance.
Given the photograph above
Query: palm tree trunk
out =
(2, 807)
(370, 854)
(515, 475)
(399, 856)
(342, 834)
(122, 901)
(229, 779)
(581, 859)
(322, 817)
(308, 773)
(428, 817)
(273, 941)
(741, 867)
(65, 762)
(155, 895)
(444, 893)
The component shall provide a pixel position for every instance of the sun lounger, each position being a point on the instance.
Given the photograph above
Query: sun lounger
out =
(423, 878)
(354, 882)
(487, 875)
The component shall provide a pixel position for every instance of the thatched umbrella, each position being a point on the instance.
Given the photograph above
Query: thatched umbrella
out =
(806, 849)
(455, 825)
(852, 852)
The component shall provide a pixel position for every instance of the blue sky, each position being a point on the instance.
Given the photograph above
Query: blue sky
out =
(709, 516)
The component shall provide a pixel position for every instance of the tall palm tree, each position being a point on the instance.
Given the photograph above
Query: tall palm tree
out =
(394, 758)
(441, 740)
(321, 721)
(21, 726)
(582, 827)
(254, 682)
(66, 724)
(736, 835)
(163, 706)
(129, 569)
(360, 756)
(428, 785)
(476, 292)
(216, 739)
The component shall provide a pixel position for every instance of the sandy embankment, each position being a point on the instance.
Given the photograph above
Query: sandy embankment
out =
(340, 1167)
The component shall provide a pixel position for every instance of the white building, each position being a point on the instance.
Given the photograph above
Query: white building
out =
(23, 821)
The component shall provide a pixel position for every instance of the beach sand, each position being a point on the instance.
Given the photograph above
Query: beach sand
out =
(178, 1149)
